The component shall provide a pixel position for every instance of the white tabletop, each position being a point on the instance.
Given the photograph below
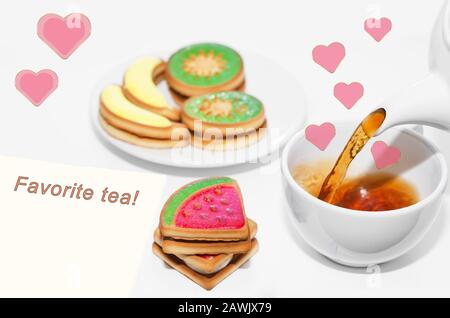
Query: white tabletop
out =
(60, 130)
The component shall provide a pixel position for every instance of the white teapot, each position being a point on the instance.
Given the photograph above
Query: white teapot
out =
(426, 102)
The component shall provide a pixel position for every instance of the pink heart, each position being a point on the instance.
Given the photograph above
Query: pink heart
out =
(320, 136)
(348, 94)
(329, 57)
(384, 155)
(36, 86)
(378, 28)
(64, 35)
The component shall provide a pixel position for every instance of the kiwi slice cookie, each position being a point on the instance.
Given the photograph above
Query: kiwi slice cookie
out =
(204, 68)
(228, 113)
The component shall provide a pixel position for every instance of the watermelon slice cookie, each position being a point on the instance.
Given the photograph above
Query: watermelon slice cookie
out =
(204, 233)
(195, 247)
(208, 209)
(230, 113)
(206, 263)
(204, 68)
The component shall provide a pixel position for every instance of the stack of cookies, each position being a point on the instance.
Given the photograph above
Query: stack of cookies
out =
(224, 120)
(206, 80)
(204, 232)
(138, 113)
(204, 68)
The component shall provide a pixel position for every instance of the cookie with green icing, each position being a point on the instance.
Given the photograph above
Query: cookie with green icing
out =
(206, 209)
(229, 113)
(204, 68)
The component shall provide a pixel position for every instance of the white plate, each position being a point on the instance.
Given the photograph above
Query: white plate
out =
(278, 89)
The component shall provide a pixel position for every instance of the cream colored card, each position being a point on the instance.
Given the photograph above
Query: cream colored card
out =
(86, 243)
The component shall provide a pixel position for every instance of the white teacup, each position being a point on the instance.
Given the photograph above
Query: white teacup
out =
(358, 238)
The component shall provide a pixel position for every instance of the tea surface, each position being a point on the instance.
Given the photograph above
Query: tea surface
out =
(371, 192)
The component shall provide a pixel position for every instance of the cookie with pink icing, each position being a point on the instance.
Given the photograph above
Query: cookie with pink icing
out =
(208, 209)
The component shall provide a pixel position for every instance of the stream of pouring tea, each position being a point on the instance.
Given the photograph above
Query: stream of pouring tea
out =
(365, 130)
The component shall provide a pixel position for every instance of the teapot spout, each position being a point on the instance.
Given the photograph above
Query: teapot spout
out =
(426, 103)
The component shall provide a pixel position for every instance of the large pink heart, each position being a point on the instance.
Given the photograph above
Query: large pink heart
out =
(348, 94)
(329, 57)
(64, 35)
(378, 28)
(36, 86)
(384, 155)
(320, 136)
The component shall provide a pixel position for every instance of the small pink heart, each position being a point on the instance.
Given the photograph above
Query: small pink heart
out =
(36, 86)
(378, 28)
(384, 155)
(348, 94)
(64, 35)
(329, 57)
(320, 136)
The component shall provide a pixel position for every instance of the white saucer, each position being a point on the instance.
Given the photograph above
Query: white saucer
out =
(278, 89)
(317, 238)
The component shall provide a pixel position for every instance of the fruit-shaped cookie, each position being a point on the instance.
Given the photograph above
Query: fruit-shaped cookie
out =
(230, 113)
(181, 99)
(204, 68)
(208, 281)
(206, 209)
(208, 263)
(140, 86)
(193, 246)
(124, 120)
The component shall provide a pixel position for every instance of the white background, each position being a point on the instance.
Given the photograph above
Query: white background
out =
(286, 31)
